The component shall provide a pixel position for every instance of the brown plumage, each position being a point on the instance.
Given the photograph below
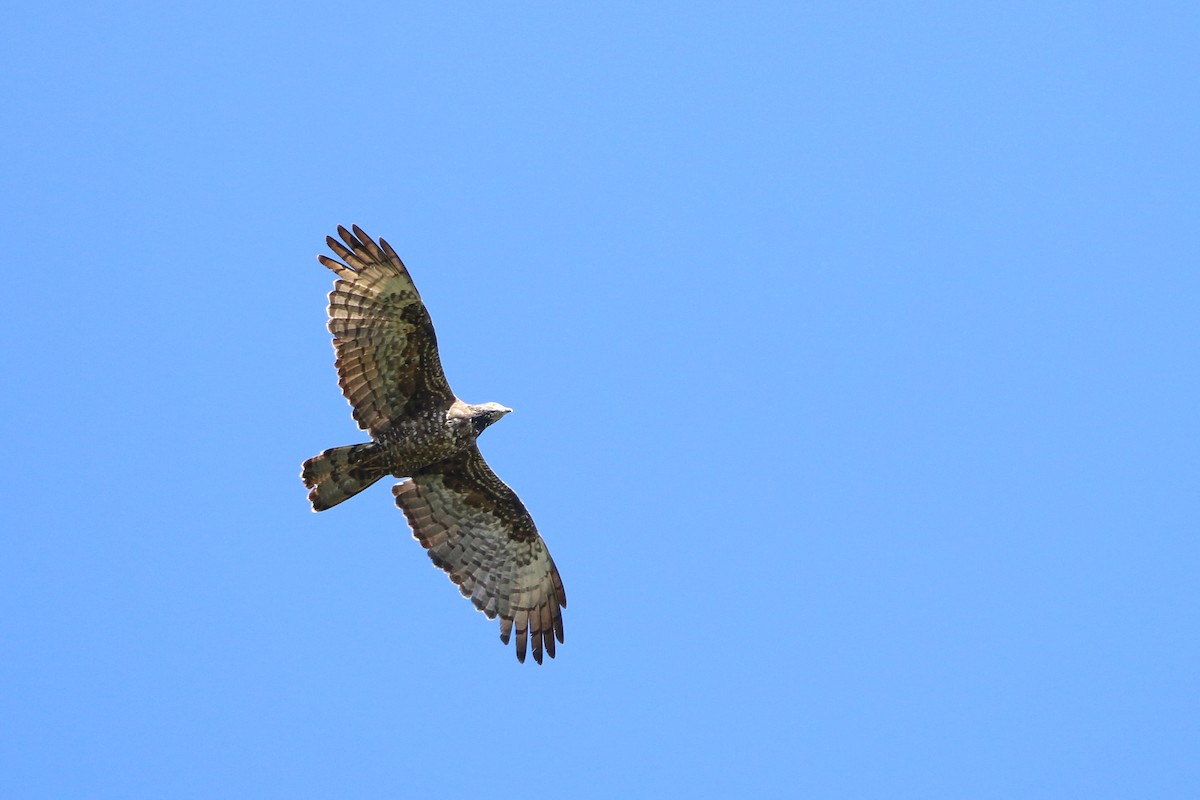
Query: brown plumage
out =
(472, 525)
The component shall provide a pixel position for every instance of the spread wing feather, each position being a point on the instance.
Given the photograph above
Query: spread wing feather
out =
(478, 531)
(387, 357)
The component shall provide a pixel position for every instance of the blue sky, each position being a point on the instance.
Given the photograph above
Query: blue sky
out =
(853, 350)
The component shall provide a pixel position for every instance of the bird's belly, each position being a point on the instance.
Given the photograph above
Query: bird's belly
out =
(414, 444)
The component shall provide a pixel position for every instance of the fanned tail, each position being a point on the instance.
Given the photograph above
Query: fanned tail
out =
(340, 473)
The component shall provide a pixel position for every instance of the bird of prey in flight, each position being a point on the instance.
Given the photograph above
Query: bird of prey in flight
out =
(472, 525)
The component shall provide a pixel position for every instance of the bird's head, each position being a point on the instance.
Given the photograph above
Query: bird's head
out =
(487, 413)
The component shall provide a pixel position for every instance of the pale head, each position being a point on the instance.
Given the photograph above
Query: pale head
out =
(485, 414)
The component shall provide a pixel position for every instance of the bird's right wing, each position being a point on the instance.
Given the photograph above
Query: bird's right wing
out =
(387, 356)
(478, 531)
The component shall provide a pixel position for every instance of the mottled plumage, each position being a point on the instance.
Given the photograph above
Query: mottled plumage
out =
(473, 526)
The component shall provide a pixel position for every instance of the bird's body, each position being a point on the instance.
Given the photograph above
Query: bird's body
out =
(474, 527)
(402, 449)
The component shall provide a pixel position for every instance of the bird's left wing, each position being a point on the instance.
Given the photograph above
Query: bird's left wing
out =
(387, 356)
(478, 531)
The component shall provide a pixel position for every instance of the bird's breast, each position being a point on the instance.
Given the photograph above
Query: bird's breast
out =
(412, 444)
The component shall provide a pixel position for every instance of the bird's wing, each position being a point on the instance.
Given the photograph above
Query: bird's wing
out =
(478, 531)
(387, 356)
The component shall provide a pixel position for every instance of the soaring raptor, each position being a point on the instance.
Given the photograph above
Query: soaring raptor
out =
(474, 526)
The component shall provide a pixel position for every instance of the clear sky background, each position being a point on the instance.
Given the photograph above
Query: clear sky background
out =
(853, 348)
